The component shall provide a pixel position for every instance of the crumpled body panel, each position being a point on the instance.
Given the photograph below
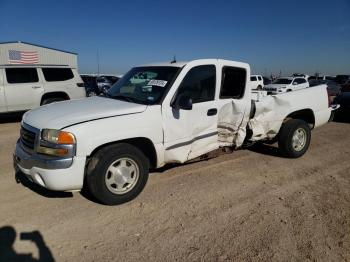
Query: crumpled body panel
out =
(270, 112)
(232, 122)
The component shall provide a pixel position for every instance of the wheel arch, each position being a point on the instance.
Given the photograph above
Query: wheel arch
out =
(49, 95)
(145, 145)
(304, 114)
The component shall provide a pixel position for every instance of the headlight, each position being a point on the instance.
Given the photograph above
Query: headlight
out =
(56, 143)
(57, 137)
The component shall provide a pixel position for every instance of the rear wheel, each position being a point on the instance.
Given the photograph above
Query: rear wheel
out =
(52, 100)
(294, 138)
(117, 174)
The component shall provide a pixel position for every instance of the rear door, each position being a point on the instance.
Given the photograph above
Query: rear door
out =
(23, 89)
(254, 82)
(64, 80)
(299, 83)
(3, 107)
(261, 81)
(234, 104)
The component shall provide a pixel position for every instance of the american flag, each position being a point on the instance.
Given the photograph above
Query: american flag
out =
(23, 57)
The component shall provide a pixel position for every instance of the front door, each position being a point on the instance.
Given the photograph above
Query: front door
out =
(23, 90)
(191, 133)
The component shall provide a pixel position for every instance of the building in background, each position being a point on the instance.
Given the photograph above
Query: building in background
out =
(22, 53)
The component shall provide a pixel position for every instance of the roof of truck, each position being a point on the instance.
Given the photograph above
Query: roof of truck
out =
(183, 63)
(174, 64)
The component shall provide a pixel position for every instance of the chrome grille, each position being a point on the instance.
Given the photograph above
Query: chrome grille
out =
(27, 138)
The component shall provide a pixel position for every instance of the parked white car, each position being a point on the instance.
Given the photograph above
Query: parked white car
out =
(179, 112)
(287, 84)
(301, 75)
(257, 82)
(27, 87)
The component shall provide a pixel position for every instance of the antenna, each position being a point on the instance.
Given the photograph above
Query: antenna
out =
(98, 63)
(174, 60)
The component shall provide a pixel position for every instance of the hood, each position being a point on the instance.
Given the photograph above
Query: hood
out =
(66, 113)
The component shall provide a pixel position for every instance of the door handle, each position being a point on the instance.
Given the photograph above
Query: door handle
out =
(212, 112)
(36, 87)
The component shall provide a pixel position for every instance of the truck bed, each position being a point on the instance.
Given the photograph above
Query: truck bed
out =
(271, 110)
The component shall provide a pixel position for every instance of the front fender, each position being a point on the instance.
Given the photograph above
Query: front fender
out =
(91, 135)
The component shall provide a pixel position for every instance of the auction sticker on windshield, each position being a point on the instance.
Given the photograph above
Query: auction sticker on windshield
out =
(155, 82)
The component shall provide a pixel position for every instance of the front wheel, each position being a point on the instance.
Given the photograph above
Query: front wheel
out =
(294, 138)
(117, 174)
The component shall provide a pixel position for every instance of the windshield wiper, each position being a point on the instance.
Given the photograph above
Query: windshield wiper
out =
(121, 97)
(126, 98)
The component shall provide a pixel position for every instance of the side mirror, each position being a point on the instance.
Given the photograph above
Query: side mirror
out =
(183, 102)
(295, 83)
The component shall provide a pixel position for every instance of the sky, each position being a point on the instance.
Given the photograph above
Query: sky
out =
(272, 36)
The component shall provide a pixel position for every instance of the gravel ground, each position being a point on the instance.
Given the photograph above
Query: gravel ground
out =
(251, 205)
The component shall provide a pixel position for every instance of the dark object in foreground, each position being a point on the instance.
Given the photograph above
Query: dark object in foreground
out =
(8, 253)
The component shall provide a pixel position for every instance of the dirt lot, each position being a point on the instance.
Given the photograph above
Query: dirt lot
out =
(250, 205)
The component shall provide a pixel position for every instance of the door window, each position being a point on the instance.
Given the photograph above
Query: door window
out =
(21, 75)
(233, 82)
(199, 84)
(302, 81)
(299, 81)
(57, 74)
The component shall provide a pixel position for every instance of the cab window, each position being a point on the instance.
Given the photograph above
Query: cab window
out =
(233, 82)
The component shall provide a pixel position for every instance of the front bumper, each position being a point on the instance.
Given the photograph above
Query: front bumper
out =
(32, 159)
(51, 173)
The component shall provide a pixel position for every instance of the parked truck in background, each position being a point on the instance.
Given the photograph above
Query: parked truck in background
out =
(179, 112)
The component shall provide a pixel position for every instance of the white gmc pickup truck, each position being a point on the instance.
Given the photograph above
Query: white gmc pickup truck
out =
(158, 114)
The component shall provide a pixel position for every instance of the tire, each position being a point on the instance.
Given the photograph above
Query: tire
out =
(259, 87)
(52, 100)
(105, 179)
(294, 138)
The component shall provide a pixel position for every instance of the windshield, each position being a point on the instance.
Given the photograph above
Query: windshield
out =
(144, 85)
(282, 81)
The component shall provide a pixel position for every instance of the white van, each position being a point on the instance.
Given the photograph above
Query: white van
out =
(26, 87)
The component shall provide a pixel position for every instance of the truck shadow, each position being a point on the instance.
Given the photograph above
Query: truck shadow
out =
(11, 117)
(266, 149)
(8, 253)
(341, 117)
(22, 179)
